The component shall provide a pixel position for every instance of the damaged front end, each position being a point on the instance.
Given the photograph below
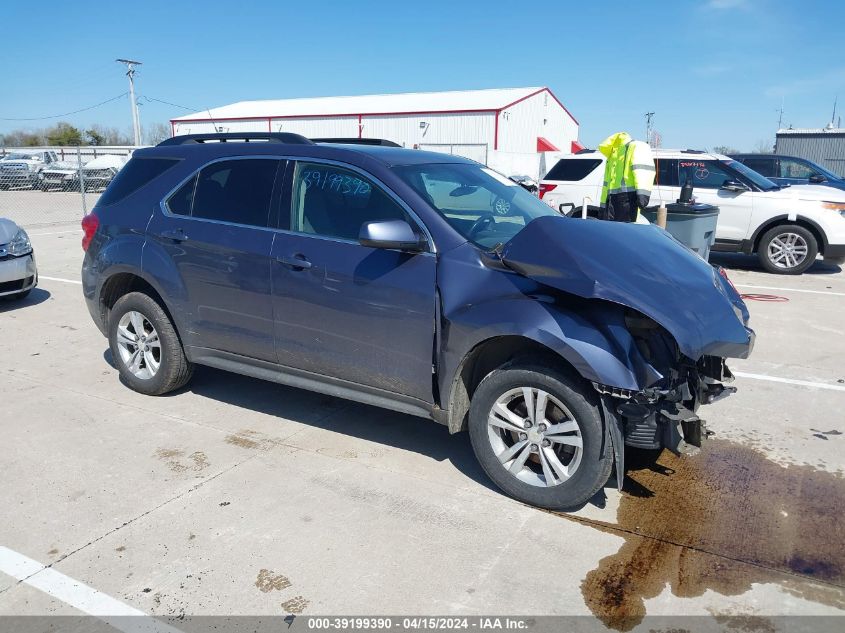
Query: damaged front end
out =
(672, 318)
(665, 414)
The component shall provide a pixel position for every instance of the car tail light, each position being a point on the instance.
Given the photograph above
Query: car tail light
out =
(545, 188)
(89, 226)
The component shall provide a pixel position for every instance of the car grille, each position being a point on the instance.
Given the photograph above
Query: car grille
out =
(11, 286)
(13, 168)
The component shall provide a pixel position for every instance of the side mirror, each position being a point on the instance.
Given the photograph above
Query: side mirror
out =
(391, 234)
(817, 179)
(733, 185)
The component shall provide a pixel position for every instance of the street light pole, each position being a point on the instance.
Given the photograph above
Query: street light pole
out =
(136, 118)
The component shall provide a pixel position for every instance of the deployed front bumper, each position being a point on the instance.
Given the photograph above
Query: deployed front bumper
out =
(17, 274)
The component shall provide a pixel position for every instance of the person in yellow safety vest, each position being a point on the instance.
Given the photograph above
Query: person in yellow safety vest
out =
(628, 177)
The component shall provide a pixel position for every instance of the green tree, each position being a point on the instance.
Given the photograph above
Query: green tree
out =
(725, 149)
(64, 134)
(95, 137)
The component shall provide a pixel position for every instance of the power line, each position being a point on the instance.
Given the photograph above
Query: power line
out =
(175, 105)
(59, 116)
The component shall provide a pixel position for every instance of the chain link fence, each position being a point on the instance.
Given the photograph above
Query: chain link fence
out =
(55, 185)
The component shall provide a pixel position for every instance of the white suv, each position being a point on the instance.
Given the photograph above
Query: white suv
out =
(786, 226)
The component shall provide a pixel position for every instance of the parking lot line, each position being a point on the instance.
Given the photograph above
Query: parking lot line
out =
(66, 281)
(78, 595)
(814, 292)
(790, 381)
(56, 233)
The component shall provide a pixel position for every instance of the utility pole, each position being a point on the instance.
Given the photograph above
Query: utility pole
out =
(780, 114)
(648, 127)
(136, 118)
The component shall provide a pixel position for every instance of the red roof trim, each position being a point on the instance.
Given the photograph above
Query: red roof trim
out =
(360, 114)
(534, 94)
(318, 116)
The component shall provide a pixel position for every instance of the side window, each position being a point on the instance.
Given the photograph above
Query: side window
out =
(790, 168)
(137, 173)
(182, 200)
(335, 202)
(237, 191)
(572, 169)
(667, 172)
(763, 166)
(707, 174)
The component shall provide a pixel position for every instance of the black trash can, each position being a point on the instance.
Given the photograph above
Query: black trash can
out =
(694, 225)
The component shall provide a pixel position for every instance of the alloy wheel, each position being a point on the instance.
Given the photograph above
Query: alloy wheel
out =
(139, 345)
(535, 437)
(787, 250)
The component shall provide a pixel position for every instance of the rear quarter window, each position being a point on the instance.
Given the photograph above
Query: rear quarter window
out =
(137, 173)
(572, 169)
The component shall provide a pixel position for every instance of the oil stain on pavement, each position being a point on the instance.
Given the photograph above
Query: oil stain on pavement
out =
(719, 521)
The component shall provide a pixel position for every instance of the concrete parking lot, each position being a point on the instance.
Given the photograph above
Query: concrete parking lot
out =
(237, 496)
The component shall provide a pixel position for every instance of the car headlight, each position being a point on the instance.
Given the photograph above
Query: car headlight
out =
(20, 245)
(836, 206)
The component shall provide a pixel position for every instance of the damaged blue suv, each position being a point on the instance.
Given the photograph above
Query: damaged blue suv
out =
(419, 282)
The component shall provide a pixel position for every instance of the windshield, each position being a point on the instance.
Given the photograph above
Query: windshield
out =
(760, 181)
(480, 204)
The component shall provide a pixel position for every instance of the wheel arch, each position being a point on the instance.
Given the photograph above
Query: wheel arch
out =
(121, 283)
(488, 355)
(784, 219)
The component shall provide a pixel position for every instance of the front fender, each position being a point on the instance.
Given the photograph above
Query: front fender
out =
(594, 340)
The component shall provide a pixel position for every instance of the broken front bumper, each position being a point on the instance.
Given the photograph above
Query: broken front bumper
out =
(667, 417)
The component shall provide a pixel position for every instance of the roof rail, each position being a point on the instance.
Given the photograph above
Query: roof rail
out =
(358, 141)
(585, 150)
(237, 137)
(693, 151)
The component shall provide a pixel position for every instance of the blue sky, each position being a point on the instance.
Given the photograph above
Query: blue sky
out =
(715, 72)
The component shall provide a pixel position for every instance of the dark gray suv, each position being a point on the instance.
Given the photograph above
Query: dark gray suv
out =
(420, 282)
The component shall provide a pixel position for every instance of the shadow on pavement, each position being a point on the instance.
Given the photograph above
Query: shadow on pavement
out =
(750, 262)
(365, 422)
(36, 296)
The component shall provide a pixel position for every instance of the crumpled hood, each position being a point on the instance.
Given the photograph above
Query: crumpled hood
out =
(8, 230)
(641, 267)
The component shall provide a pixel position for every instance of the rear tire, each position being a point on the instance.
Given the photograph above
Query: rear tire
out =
(552, 471)
(787, 249)
(145, 346)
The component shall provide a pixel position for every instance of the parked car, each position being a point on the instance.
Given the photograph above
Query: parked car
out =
(18, 274)
(787, 227)
(63, 175)
(364, 272)
(97, 174)
(790, 170)
(23, 169)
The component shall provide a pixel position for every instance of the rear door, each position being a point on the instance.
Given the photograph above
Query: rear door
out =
(764, 165)
(215, 229)
(348, 311)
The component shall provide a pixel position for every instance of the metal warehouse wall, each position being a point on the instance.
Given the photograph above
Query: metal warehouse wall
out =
(540, 115)
(316, 127)
(825, 148)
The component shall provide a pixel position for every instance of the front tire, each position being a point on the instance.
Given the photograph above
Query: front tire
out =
(787, 249)
(539, 436)
(145, 346)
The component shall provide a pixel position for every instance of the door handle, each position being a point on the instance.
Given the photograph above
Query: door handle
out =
(177, 235)
(297, 262)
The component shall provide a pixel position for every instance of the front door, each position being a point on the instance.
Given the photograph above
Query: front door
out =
(707, 178)
(344, 310)
(216, 232)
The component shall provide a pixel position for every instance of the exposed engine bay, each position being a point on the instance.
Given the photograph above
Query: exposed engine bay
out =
(664, 415)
